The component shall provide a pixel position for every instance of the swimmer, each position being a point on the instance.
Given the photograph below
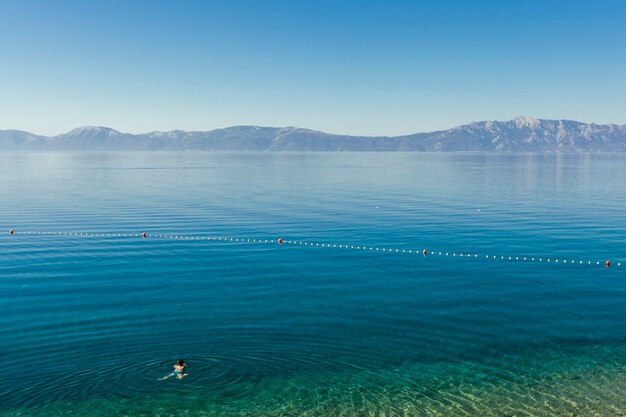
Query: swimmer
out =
(179, 370)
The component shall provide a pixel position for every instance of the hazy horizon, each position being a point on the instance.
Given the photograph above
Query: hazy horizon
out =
(308, 128)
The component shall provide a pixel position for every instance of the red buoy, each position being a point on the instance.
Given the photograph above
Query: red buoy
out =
(11, 232)
(424, 252)
(608, 263)
(280, 240)
(143, 235)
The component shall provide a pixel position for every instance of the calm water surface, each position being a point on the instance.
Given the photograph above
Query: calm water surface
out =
(88, 325)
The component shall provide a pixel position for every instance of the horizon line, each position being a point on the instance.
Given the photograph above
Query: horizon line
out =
(525, 118)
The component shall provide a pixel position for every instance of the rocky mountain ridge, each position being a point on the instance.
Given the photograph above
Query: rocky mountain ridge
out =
(521, 134)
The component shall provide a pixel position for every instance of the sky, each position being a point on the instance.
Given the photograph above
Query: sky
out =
(348, 67)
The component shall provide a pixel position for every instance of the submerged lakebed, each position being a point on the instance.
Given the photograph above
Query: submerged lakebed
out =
(279, 330)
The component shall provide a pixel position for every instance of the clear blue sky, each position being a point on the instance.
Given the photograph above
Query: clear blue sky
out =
(356, 67)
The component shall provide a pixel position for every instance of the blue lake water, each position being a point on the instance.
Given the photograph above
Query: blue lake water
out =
(89, 324)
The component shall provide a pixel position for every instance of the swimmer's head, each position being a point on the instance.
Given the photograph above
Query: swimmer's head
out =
(180, 362)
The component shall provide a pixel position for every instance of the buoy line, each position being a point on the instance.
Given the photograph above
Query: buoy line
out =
(281, 241)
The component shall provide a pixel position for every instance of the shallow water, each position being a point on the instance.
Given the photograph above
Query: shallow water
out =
(92, 323)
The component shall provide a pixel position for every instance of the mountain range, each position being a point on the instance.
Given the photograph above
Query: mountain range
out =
(521, 134)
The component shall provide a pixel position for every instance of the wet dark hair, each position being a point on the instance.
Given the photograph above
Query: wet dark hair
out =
(180, 362)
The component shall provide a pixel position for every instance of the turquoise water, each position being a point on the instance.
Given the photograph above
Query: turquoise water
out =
(88, 325)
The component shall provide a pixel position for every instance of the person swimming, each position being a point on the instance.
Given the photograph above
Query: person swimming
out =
(179, 370)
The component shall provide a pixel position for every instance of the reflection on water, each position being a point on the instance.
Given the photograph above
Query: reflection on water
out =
(94, 323)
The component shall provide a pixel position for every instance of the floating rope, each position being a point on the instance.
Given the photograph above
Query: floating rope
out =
(281, 241)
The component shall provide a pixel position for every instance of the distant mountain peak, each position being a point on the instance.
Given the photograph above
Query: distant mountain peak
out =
(520, 134)
(92, 130)
(526, 121)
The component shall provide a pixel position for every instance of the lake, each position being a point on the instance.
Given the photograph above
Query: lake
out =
(88, 324)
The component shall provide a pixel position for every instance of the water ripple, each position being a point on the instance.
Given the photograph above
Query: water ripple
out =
(94, 323)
